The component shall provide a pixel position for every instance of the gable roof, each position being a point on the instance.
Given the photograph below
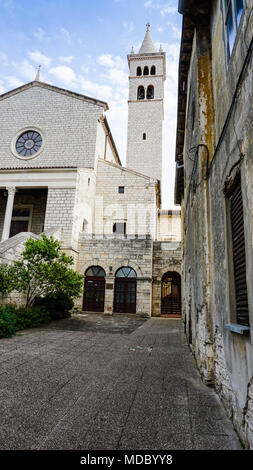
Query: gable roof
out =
(56, 89)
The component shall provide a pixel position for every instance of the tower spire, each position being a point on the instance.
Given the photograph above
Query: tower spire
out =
(37, 78)
(147, 46)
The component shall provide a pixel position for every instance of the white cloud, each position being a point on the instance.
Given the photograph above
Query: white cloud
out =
(129, 27)
(109, 61)
(148, 4)
(85, 69)
(164, 8)
(13, 82)
(39, 34)
(25, 69)
(66, 34)
(168, 10)
(176, 32)
(64, 74)
(117, 118)
(9, 5)
(117, 76)
(66, 60)
(2, 87)
(102, 92)
(3, 58)
(39, 58)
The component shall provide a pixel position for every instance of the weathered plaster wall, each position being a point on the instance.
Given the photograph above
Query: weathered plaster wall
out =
(225, 358)
(168, 227)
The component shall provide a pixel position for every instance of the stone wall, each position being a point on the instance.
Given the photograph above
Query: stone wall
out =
(169, 226)
(216, 145)
(60, 212)
(166, 257)
(112, 253)
(136, 206)
(146, 116)
(68, 126)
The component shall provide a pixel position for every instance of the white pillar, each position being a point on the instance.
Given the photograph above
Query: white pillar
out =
(8, 213)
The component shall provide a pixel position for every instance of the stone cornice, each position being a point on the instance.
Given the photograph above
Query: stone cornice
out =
(145, 101)
(63, 91)
(146, 76)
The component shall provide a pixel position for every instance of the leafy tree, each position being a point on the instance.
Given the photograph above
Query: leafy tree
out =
(43, 269)
(7, 283)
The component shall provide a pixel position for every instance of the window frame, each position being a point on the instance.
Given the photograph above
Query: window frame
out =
(229, 6)
(120, 188)
(230, 267)
(140, 87)
(150, 87)
(27, 218)
(120, 224)
(153, 70)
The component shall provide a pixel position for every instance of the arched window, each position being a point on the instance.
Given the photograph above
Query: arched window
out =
(94, 289)
(125, 272)
(138, 73)
(140, 93)
(150, 92)
(146, 71)
(125, 290)
(95, 271)
(171, 294)
(152, 71)
(144, 136)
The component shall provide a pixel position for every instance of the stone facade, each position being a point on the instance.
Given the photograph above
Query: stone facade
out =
(166, 257)
(67, 121)
(214, 148)
(145, 116)
(104, 214)
(111, 253)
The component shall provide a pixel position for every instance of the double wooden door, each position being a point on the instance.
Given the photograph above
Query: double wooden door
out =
(94, 294)
(125, 295)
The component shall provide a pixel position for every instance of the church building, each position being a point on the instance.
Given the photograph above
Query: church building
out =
(60, 173)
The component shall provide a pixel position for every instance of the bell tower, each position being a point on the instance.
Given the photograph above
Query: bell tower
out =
(147, 73)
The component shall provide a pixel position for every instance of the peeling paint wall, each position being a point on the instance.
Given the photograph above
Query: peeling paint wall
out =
(218, 139)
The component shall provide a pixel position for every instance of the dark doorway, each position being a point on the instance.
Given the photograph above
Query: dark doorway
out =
(125, 291)
(171, 294)
(18, 226)
(94, 290)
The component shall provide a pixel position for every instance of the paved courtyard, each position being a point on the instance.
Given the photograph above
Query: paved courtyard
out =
(96, 382)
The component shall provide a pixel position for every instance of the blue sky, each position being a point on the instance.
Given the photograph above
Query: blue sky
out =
(82, 46)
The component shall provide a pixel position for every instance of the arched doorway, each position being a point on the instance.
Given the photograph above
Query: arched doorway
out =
(94, 289)
(171, 294)
(125, 290)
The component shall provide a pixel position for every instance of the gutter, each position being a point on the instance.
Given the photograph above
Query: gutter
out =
(182, 6)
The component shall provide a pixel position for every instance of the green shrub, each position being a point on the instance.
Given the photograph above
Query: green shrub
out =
(58, 305)
(31, 317)
(7, 322)
(13, 319)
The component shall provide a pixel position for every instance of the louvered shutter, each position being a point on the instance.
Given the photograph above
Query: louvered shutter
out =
(239, 257)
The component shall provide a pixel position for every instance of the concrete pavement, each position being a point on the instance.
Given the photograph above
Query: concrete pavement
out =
(96, 382)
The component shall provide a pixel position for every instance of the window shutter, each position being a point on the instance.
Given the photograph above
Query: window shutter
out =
(239, 256)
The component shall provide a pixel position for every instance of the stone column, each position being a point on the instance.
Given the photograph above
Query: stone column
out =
(8, 213)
